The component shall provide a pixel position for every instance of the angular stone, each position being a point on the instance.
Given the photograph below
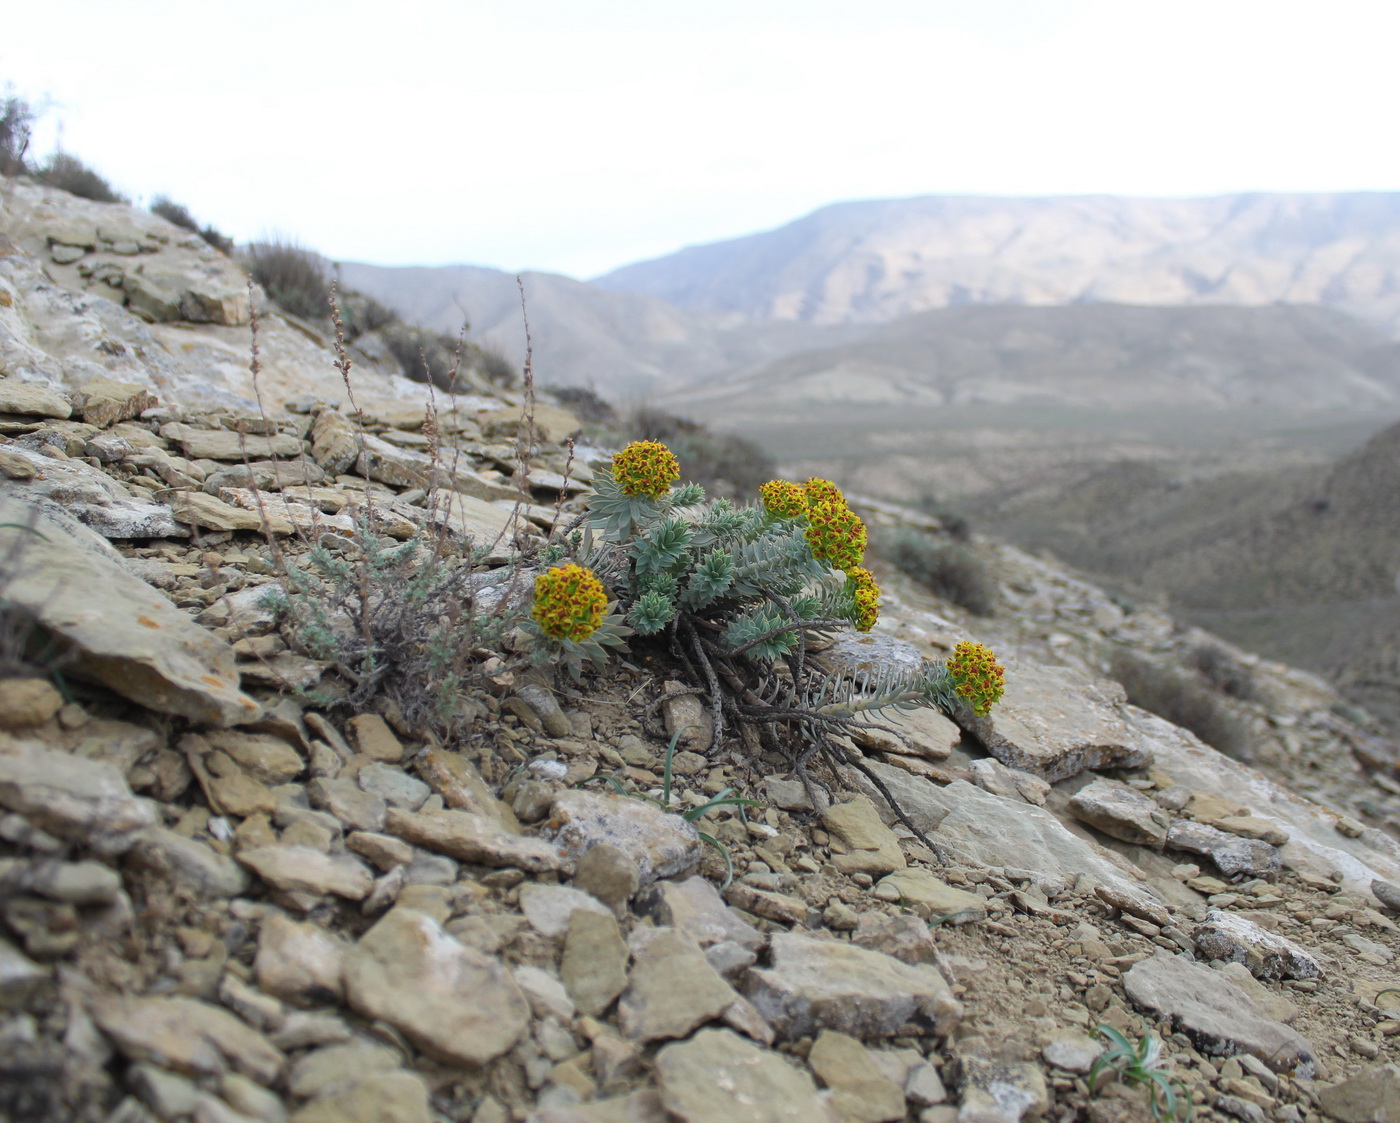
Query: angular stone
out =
(334, 442)
(187, 1035)
(390, 1097)
(757, 1085)
(992, 776)
(303, 869)
(1072, 1051)
(594, 967)
(931, 898)
(32, 399)
(1056, 722)
(662, 844)
(339, 1066)
(1371, 1097)
(104, 401)
(550, 908)
(167, 291)
(187, 862)
(396, 787)
(641, 1106)
(861, 843)
(194, 508)
(1120, 812)
(226, 444)
(695, 907)
(26, 702)
(671, 989)
(19, 976)
(550, 423)
(471, 838)
(860, 1092)
(1251, 826)
(1236, 939)
(75, 883)
(372, 737)
(1387, 894)
(455, 778)
(452, 1001)
(299, 963)
(1231, 854)
(1001, 1091)
(75, 490)
(823, 984)
(271, 759)
(82, 801)
(609, 873)
(905, 937)
(986, 830)
(138, 643)
(347, 801)
(1219, 1018)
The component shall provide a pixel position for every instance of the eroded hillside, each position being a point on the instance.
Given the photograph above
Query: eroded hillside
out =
(228, 895)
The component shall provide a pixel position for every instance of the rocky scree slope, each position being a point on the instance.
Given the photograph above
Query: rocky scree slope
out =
(222, 900)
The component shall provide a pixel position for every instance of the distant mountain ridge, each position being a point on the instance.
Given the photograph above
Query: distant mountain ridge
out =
(875, 261)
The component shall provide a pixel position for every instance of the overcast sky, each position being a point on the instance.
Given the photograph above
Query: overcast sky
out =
(579, 135)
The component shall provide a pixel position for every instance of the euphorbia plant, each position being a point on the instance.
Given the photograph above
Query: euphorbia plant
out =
(739, 593)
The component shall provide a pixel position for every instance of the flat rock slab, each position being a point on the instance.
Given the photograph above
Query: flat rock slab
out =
(19, 976)
(824, 984)
(1371, 1097)
(1315, 846)
(1237, 939)
(78, 800)
(661, 843)
(225, 444)
(671, 989)
(187, 1035)
(1220, 1019)
(1001, 1091)
(695, 906)
(861, 842)
(932, 899)
(991, 831)
(304, 869)
(718, 1077)
(389, 1097)
(32, 399)
(471, 838)
(87, 494)
(187, 862)
(450, 1000)
(1056, 722)
(1121, 812)
(130, 638)
(1231, 854)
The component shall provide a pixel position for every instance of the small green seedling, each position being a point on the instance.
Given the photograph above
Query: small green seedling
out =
(1142, 1064)
(726, 798)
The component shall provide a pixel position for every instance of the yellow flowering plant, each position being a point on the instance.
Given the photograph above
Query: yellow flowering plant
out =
(570, 618)
(740, 592)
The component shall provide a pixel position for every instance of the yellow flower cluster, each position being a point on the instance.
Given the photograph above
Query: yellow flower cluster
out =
(821, 491)
(569, 603)
(834, 532)
(862, 585)
(980, 678)
(783, 499)
(645, 468)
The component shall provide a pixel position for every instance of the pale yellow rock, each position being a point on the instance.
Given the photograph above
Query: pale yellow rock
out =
(861, 842)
